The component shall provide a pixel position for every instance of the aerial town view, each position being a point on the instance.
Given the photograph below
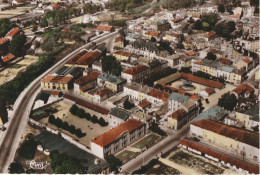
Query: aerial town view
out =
(129, 87)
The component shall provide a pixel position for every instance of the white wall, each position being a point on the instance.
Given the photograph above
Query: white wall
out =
(196, 130)
(97, 150)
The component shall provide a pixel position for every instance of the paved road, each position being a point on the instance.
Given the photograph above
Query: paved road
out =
(22, 107)
(155, 151)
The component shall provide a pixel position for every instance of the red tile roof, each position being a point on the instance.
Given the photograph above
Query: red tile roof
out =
(152, 33)
(246, 60)
(194, 97)
(172, 89)
(13, 32)
(8, 57)
(225, 61)
(104, 28)
(210, 34)
(176, 20)
(242, 88)
(57, 79)
(136, 70)
(88, 78)
(144, 104)
(239, 164)
(55, 92)
(87, 104)
(86, 88)
(3, 40)
(55, 5)
(235, 16)
(238, 134)
(159, 94)
(190, 53)
(138, 30)
(202, 81)
(84, 58)
(120, 38)
(120, 52)
(178, 115)
(210, 90)
(174, 34)
(111, 135)
(103, 92)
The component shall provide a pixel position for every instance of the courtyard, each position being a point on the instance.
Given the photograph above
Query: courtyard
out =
(12, 71)
(147, 141)
(92, 130)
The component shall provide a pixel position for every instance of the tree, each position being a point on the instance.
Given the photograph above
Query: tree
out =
(17, 45)
(153, 39)
(128, 105)
(44, 23)
(28, 149)
(102, 122)
(35, 28)
(16, 168)
(72, 129)
(228, 101)
(198, 25)
(211, 56)
(52, 119)
(111, 65)
(74, 108)
(113, 162)
(94, 119)
(5, 26)
(221, 8)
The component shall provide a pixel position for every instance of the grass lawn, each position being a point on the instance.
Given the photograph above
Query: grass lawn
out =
(160, 168)
(195, 163)
(147, 141)
(125, 155)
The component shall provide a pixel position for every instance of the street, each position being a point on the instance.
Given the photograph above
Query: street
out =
(155, 151)
(22, 107)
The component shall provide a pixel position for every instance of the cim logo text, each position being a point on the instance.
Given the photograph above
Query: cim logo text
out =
(38, 165)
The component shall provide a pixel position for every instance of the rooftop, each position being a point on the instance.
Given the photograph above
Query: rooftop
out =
(111, 78)
(120, 52)
(111, 135)
(13, 32)
(120, 38)
(238, 134)
(152, 33)
(87, 104)
(84, 58)
(120, 113)
(159, 94)
(3, 40)
(210, 83)
(144, 104)
(57, 79)
(104, 28)
(136, 70)
(8, 57)
(88, 78)
(215, 113)
(178, 115)
(221, 157)
(178, 97)
(142, 116)
(243, 88)
(253, 112)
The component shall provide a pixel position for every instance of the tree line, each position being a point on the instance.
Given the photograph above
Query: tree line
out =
(75, 110)
(64, 125)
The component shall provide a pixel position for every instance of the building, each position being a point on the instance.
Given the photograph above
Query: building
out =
(4, 45)
(12, 33)
(118, 116)
(121, 55)
(111, 82)
(137, 91)
(241, 167)
(102, 94)
(88, 80)
(171, 37)
(57, 82)
(156, 96)
(163, 26)
(177, 119)
(144, 118)
(243, 90)
(250, 118)
(176, 100)
(119, 42)
(152, 34)
(84, 59)
(117, 138)
(214, 113)
(245, 64)
(136, 74)
(9, 57)
(207, 92)
(105, 29)
(241, 142)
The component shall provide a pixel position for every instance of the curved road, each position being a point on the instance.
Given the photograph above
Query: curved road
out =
(22, 107)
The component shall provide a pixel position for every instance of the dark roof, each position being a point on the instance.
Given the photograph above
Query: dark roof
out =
(120, 113)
